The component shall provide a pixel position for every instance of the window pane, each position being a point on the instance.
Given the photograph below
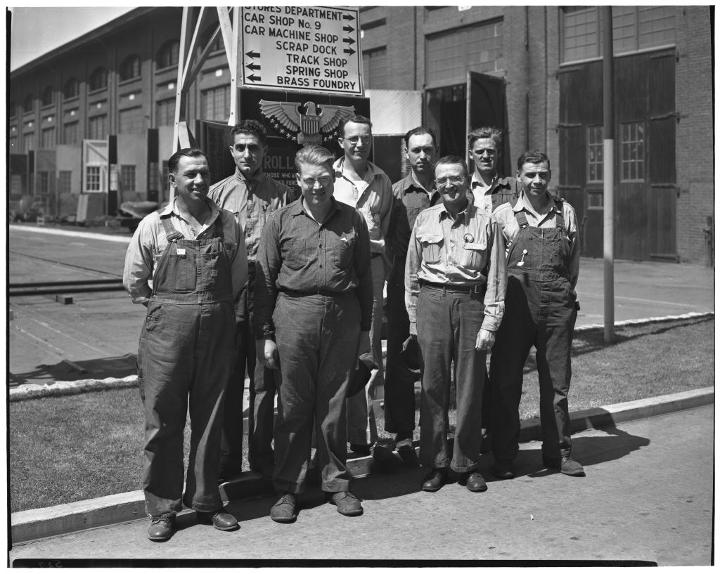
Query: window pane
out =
(594, 154)
(216, 103)
(97, 128)
(580, 34)
(656, 26)
(131, 121)
(47, 138)
(632, 152)
(127, 178)
(165, 112)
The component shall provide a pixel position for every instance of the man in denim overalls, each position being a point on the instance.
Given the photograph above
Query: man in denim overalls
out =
(193, 253)
(543, 256)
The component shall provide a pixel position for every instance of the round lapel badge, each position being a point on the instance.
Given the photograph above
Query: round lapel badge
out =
(468, 238)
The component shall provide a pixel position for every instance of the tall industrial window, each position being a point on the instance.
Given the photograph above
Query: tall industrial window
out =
(28, 142)
(92, 178)
(98, 79)
(28, 103)
(98, 127)
(127, 178)
(216, 103)
(132, 121)
(72, 133)
(165, 112)
(594, 154)
(634, 28)
(168, 54)
(375, 69)
(130, 68)
(632, 152)
(48, 95)
(65, 181)
(43, 182)
(71, 89)
(47, 138)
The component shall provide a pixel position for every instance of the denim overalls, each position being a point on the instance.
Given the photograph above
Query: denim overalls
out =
(186, 350)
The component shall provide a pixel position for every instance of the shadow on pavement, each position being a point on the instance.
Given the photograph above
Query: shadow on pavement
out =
(117, 367)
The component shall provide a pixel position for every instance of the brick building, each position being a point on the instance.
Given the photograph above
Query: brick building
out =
(535, 71)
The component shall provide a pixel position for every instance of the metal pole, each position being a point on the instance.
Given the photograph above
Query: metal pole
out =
(608, 175)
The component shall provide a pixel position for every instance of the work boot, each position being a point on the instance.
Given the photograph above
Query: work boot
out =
(219, 519)
(285, 509)
(347, 503)
(571, 467)
(161, 528)
(360, 449)
(406, 450)
(502, 470)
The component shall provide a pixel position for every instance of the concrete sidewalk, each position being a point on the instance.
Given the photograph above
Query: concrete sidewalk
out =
(647, 498)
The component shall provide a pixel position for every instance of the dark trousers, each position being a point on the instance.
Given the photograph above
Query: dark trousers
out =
(317, 338)
(400, 378)
(262, 388)
(185, 357)
(448, 324)
(540, 315)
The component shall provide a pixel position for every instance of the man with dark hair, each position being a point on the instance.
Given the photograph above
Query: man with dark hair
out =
(364, 186)
(252, 196)
(454, 289)
(485, 148)
(543, 262)
(313, 301)
(412, 194)
(194, 255)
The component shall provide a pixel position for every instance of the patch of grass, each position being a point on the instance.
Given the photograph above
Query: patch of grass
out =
(64, 449)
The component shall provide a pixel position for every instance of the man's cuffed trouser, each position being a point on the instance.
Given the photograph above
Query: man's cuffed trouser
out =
(186, 354)
(317, 340)
(447, 325)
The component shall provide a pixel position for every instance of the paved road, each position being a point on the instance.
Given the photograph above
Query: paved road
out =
(648, 496)
(100, 330)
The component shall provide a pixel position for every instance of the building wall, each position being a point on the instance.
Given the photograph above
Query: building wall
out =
(694, 148)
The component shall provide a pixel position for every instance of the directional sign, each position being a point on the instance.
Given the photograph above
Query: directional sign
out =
(301, 48)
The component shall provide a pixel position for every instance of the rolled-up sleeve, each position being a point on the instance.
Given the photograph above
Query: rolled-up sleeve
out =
(412, 287)
(496, 278)
(267, 267)
(362, 270)
(139, 261)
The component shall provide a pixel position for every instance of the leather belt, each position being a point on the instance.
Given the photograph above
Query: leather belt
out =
(475, 288)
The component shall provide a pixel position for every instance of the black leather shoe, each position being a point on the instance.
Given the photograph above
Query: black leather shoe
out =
(219, 519)
(475, 482)
(406, 450)
(551, 462)
(435, 480)
(502, 470)
(161, 528)
(360, 449)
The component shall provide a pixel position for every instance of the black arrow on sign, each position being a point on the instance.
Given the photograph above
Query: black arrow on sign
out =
(349, 51)
(348, 28)
(254, 78)
(254, 66)
(348, 17)
(348, 41)
(253, 54)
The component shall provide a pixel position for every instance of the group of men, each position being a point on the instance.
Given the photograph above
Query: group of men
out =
(246, 278)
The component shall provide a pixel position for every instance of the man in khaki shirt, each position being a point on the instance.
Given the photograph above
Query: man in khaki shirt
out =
(454, 288)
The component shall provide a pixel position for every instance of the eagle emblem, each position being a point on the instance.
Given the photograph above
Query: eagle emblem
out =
(305, 123)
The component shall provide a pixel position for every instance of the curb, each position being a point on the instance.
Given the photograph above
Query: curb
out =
(60, 388)
(65, 518)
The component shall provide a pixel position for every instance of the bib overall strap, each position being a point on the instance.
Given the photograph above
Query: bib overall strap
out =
(171, 233)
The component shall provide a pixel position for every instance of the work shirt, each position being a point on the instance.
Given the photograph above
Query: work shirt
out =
(505, 216)
(299, 256)
(466, 251)
(149, 242)
(252, 201)
(372, 196)
(410, 198)
(490, 197)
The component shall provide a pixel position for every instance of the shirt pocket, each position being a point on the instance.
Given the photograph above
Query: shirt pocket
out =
(344, 249)
(299, 253)
(474, 254)
(431, 247)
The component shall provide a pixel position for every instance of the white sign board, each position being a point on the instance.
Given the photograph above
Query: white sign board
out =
(301, 48)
